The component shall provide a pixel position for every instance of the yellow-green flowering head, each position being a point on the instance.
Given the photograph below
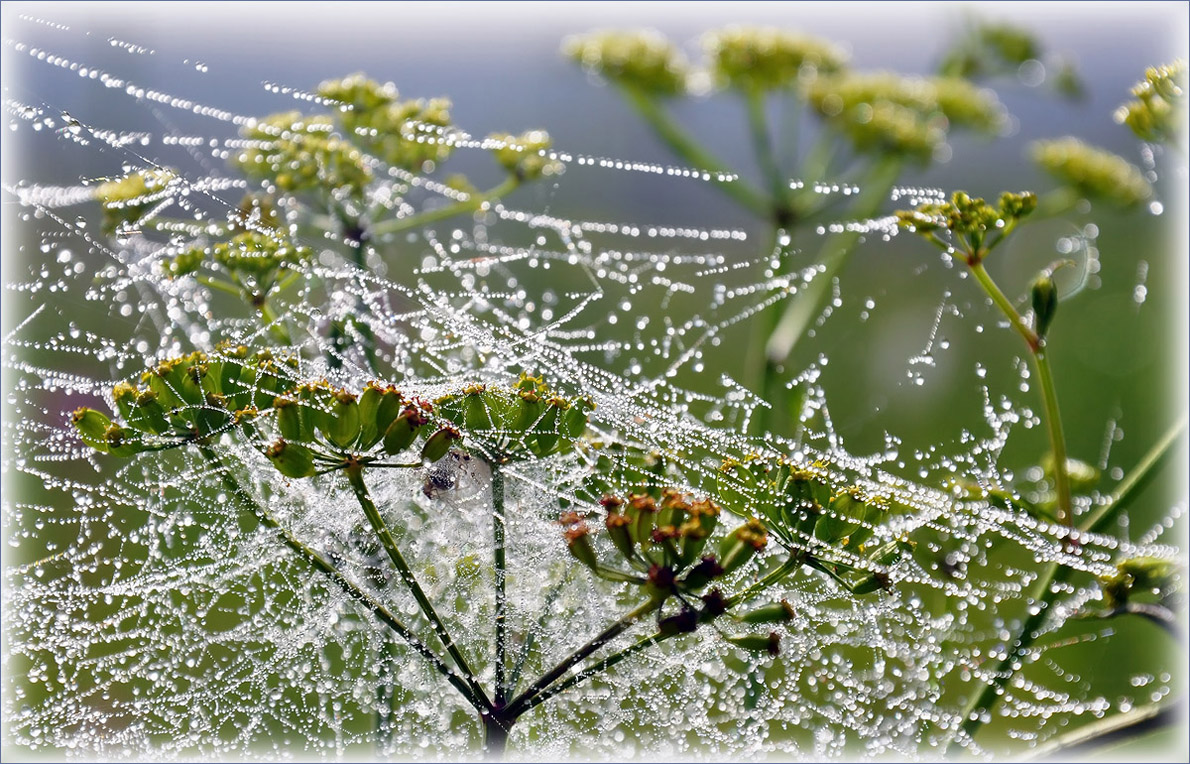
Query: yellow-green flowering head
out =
(887, 113)
(254, 255)
(1159, 112)
(298, 153)
(1092, 172)
(992, 48)
(406, 134)
(525, 156)
(356, 94)
(126, 201)
(969, 220)
(768, 58)
(641, 59)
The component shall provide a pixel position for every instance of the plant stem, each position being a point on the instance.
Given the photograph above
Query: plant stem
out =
(272, 321)
(1003, 303)
(762, 146)
(520, 704)
(1114, 729)
(1045, 378)
(793, 563)
(1044, 591)
(531, 639)
(1136, 480)
(779, 340)
(689, 150)
(501, 571)
(397, 225)
(496, 727)
(356, 477)
(335, 575)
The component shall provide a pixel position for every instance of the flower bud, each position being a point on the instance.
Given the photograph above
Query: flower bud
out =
(1045, 303)
(742, 545)
(148, 414)
(777, 612)
(369, 406)
(578, 541)
(683, 622)
(618, 529)
(91, 426)
(291, 459)
(642, 511)
(701, 574)
(289, 418)
(439, 443)
(341, 425)
(403, 431)
(476, 417)
(758, 643)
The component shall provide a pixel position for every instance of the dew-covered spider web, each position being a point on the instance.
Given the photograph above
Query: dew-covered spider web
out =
(148, 613)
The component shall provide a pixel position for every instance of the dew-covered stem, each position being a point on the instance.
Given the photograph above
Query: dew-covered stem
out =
(498, 539)
(317, 561)
(520, 704)
(410, 222)
(689, 150)
(1096, 735)
(1045, 379)
(1046, 588)
(356, 478)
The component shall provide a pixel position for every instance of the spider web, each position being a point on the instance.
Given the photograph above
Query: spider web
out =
(147, 614)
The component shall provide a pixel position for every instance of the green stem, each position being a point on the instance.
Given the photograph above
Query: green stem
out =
(1045, 378)
(1004, 304)
(531, 640)
(520, 704)
(349, 588)
(762, 146)
(807, 304)
(355, 476)
(793, 563)
(689, 150)
(398, 225)
(1046, 588)
(272, 321)
(1095, 736)
(1136, 480)
(498, 538)
(221, 285)
(1053, 418)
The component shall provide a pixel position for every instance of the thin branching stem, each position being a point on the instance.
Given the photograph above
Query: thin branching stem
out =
(777, 574)
(1045, 378)
(356, 477)
(348, 587)
(689, 150)
(1046, 589)
(420, 219)
(501, 571)
(520, 704)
